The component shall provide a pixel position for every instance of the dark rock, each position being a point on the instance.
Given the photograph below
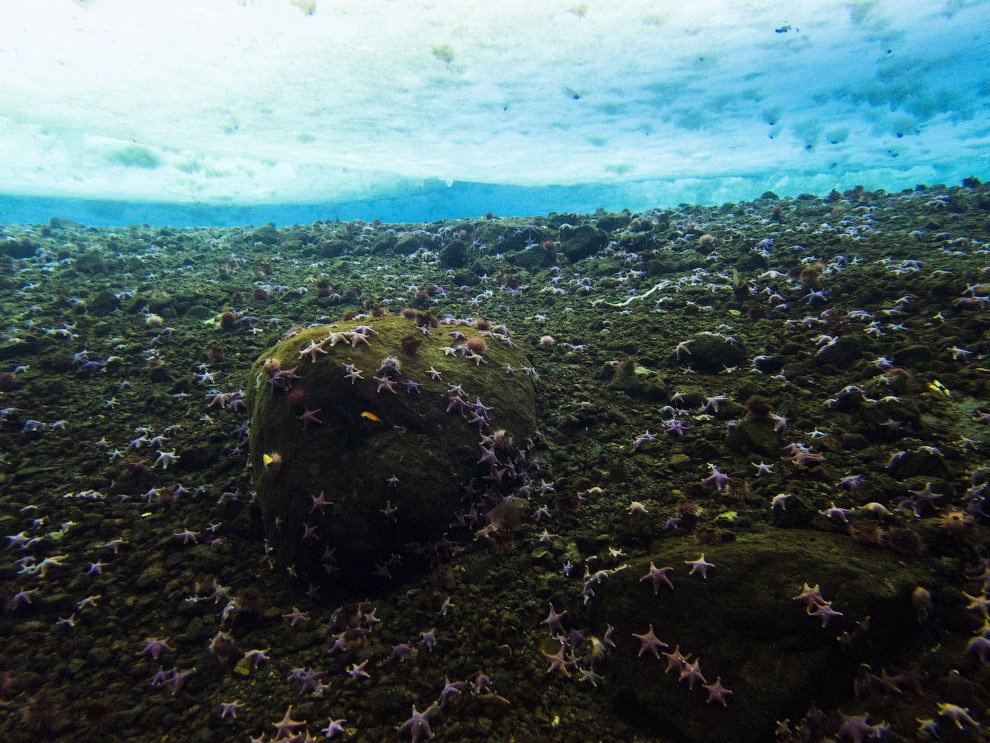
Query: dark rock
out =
(793, 514)
(103, 303)
(746, 628)
(454, 255)
(754, 435)
(910, 355)
(17, 249)
(412, 241)
(533, 258)
(710, 354)
(266, 234)
(641, 382)
(61, 223)
(612, 222)
(153, 574)
(923, 462)
(365, 437)
(558, 220)
(845, 350)
(579, 242)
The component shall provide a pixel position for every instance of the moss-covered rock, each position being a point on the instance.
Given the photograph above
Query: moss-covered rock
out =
(755, 435)
(710, 354)
(367, 434)
(842, 352)
(582, 241)
(745, 627)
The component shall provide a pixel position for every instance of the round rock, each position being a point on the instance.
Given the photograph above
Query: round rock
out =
(361, 451)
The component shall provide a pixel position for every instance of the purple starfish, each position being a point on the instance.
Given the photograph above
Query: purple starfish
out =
(178, 680)
(657, 576)
(154, 647)
(356, 671)
(417, 724)
(717, 692)
(333, 727)
(229, 709)
(558, 662)
(310, 680)
(699, 566)
(399, 652)
(649, 641)
(450, 688)
(716, 478)
(429, 639)
(553, 619)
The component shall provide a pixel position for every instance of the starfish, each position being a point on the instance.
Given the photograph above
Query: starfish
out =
(356, 671)
(450, 688)
(229, 709)
(553, 619)
(810, 596)
(957, 714)
(385, 383)
(433, 373)
(417, 724)
(651, 642)
(312, 349)
(286, 725)
(676, 661)
(309, 416)
(717, 692)
(333, 727)
(296, 616)
(825, 611)
(319, 502)
(558, 662)
(155, 647)
(657, 576)
(352, 372)
(699, 566)
(692, 673)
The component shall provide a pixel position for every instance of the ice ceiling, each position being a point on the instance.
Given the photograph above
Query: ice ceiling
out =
(302, 101)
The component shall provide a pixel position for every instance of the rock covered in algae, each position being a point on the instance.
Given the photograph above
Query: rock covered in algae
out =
(361, 451)
(744, 626)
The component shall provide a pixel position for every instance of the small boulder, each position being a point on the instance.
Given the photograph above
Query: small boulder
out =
(357, 474)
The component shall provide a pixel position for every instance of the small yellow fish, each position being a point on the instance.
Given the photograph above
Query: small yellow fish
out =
(939, 387)
(267, 459)
(371, 416)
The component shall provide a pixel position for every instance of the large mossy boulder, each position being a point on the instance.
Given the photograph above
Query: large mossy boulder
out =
(392, 465)
(745, 627)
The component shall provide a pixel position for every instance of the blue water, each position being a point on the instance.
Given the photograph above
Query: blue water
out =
(430, 204)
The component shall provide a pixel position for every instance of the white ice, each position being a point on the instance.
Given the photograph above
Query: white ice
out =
(277, 101)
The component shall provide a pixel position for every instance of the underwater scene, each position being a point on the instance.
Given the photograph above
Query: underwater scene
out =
(696, 474)
(466, 371)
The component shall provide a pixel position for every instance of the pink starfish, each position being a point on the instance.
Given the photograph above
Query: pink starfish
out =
(651, 642)
(309, 416)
